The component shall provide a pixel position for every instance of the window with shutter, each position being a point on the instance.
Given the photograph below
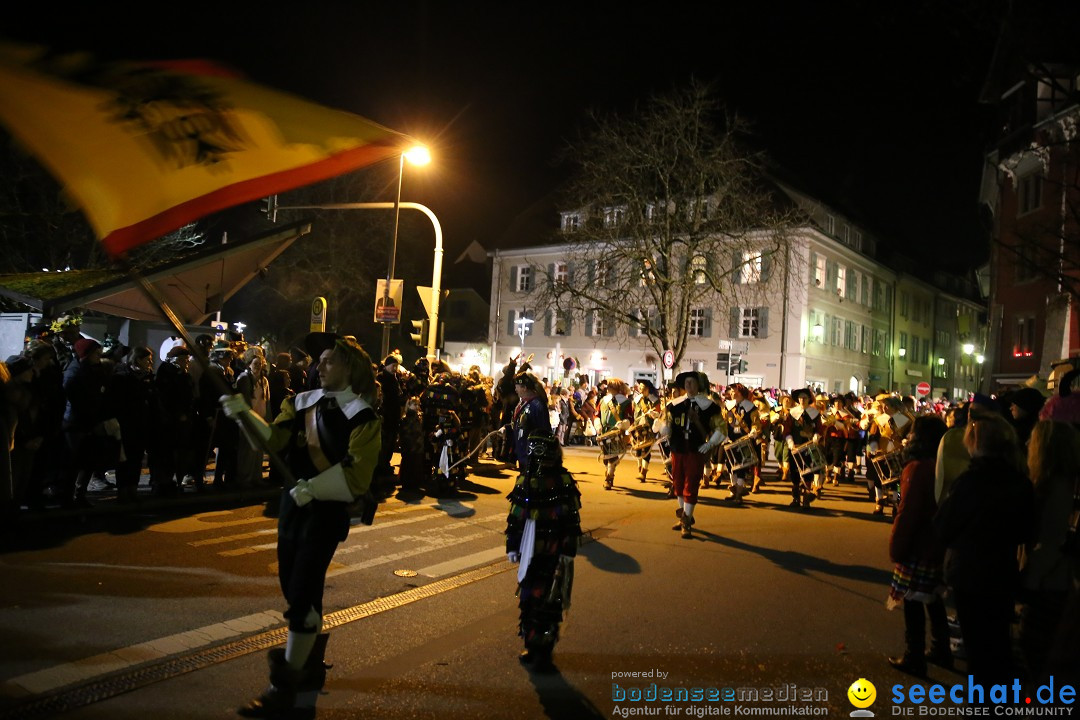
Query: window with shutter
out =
(763, 322)
(697, 322)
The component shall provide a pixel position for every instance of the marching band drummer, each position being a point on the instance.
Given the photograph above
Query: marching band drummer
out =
(803, 425)
(764, 436)
(646, 410)
(616, 413)
(743, 420)
(836, 434)
(695, 430)
(895, 422)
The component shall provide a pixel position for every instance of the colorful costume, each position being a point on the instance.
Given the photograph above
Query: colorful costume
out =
(542, 534)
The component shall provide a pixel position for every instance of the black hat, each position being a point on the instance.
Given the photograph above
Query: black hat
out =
(796, 394)
(318, 342)
(528, 380)
(648, 385)
(702, 379)
(178, 351)
(18, 364)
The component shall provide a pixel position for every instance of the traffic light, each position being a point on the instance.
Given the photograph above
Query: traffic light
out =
(421, 332)
(723, 361)
(269, 206)
(737, 365)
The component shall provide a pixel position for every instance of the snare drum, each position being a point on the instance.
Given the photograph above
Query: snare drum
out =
(742, 453)
(809, 458)
(889, 466)
(612, 444)
(641, 440)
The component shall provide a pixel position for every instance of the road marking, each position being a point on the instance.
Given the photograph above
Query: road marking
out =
(202, 521)
(462, 563)
(58, 676)
(232, 538)
(437, 544)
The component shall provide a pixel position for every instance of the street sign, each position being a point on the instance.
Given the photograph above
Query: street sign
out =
(669, 359)
(388, 301)
(923, 389)
(318, 315)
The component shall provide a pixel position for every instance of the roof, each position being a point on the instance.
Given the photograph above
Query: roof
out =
(194, 286)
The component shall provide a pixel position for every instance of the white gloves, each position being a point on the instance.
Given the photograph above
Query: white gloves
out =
(705, 448)
(449, 443)
(624, 425)
(815, 439)
(327, 485)
(753, 432)
(790, 442)
(234, 406)
(513, 557)
(438, 433)
(301, 493)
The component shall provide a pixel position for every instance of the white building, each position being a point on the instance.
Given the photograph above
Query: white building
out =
(820, 314)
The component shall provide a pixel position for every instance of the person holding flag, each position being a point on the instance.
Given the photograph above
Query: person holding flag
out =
(331, 439)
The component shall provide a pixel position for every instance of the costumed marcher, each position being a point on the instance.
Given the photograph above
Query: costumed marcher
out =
(695, 430)
(330, 439)
(130, 397)
(642, 437)
(743, 421)
(530, 416)
(803, 425)
(542, 535)
(445, 440)
(415, 465)
(895, 422)
(764, 437)
(616, 415)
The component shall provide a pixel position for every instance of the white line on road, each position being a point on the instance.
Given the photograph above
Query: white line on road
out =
(462, 563)
(428, 546)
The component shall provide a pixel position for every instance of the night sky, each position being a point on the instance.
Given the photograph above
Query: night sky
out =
(874, 105)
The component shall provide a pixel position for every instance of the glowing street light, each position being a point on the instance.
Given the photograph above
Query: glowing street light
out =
(523, 324)
(968, 348)
(417, 155)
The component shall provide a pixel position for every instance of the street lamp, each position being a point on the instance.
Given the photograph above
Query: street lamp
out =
(417, 155)
(968, 348)
(523, 324)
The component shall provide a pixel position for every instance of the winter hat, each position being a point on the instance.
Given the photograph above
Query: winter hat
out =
(1028, 399)
(85, 346)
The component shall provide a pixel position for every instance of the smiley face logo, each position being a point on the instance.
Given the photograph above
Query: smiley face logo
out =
(862, 693)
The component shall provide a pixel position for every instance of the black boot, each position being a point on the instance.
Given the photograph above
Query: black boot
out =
(314, 672)
(278, 699)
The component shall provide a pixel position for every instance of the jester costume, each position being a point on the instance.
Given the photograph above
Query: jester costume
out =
(542, 534)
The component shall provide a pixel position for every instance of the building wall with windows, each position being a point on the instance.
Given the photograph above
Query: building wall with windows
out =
(823, 312)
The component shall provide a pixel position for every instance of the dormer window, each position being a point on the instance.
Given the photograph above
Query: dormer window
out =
(571, 222)
(614, 216)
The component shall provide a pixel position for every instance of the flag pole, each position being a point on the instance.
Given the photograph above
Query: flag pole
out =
(220, 386)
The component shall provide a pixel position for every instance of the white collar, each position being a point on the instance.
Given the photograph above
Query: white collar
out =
(702, 401)
(747, 405)
(350, 403)
(730, 403)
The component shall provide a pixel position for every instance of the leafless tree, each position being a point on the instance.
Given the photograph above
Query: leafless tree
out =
(673, 218)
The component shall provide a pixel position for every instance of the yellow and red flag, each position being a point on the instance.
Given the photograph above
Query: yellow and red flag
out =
(146, 147)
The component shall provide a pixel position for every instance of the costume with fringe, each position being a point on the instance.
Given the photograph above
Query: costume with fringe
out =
(544, 527)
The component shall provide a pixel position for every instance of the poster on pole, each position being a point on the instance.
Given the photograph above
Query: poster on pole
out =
(388, 301)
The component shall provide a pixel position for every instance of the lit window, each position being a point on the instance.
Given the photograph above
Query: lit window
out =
(820, 268)
(697, 268)
(562, 272)
(571, 222)
(750, 271)
(1029, 193)
(841, 280)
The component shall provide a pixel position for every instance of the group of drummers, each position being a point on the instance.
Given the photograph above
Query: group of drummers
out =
(817, 440)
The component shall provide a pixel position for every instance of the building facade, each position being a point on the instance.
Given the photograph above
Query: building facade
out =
(821, 312)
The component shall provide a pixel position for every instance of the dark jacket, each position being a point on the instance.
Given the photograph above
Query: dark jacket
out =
(982, 523)
(84, 386)
(175, 395)
(392, 400)
(129, 397)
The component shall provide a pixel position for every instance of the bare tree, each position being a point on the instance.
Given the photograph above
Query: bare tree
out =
(673, 218)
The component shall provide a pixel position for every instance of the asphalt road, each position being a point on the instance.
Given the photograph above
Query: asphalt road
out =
(166, 613)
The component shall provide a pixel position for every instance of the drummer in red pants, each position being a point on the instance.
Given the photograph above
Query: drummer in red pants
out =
(695, 429)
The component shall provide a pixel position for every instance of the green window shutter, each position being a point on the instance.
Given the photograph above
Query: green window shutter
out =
(763, 322)
(830, 276)
(510, 317)
(736, 265)
(549, 324)
(609, 325)
(734, 321)
(813, 267)
(589, 323)
(852, 282)
(513, 278)
(707, 331)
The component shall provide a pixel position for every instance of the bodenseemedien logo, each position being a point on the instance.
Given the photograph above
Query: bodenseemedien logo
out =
(862, 694)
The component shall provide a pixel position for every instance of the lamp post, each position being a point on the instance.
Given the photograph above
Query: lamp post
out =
(523, 324)
(418, 155)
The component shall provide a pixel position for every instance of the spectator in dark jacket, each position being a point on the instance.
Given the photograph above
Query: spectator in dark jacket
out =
(175, 394)
(129, 395)
(982, 523)
(26, 435)
(917, 578)
(391, 409)
(84, 422)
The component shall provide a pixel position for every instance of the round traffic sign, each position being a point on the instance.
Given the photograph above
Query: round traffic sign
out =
(923, 389)
(669, 359)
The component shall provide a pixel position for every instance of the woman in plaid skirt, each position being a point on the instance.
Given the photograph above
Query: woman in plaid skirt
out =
(917, 581)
